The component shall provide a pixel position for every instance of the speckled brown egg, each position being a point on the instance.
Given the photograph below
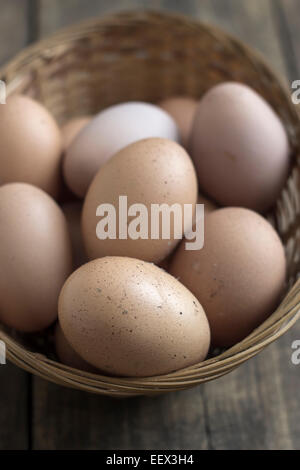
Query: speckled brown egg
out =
(151, 171)
(66, 353)
(72, 128)
(35, 257)
(31, 145)
(130, 318)
(240, 148)
(182, 109)
(238, 276)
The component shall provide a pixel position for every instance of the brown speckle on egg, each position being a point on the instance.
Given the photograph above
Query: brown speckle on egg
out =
(135, 345)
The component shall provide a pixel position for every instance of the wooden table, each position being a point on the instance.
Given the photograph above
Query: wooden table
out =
(255, 407)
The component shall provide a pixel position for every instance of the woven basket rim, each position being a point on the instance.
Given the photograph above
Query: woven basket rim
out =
(277, 324)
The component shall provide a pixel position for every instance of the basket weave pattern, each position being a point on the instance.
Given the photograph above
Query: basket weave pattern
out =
(149, 56)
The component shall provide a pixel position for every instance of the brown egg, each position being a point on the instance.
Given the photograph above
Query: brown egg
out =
(35, 257)
(182, 109)
(151, 171)
(66, 353)
(72, 212)
(239, 147)
(131, 318)
(72, 128)
(111, 130)
(239, 274)
(30, 145)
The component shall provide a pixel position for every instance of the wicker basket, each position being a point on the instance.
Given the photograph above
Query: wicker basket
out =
(149, 56)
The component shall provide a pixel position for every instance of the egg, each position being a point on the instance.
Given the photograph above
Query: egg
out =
(107, 133)
(182, 109)
(72, 212)
(151, 171)
(66, 353)
(130, 318)
(31, 145)
(72, 128)
(35, 257)
(240, 148)
(239, 274)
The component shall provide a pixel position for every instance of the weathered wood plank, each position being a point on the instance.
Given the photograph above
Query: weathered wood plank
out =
(14, 383)
(188, 7)
(14, 412)
(256, 407)
(13, 27)
(287, 14)
(290, 383)
(54, 14)
(68, 419)
(252, 22)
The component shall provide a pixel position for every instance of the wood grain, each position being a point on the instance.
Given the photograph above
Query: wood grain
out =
(255, 407)
(14, 408)
(14, 31)
(14, 383)
(68, 419)
(54, 14)
(288, 16)
(252, 22)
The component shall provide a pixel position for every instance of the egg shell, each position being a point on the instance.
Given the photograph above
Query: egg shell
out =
(107, 133)
(151, 171)
(239, 274)
(131, 318)
(182, 109)
(72, 212)
(72, 128)
(240, 148)
(35, 257)
(66, 353)
(31, 145)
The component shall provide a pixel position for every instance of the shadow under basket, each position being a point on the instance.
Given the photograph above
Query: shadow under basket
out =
(149, 56)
